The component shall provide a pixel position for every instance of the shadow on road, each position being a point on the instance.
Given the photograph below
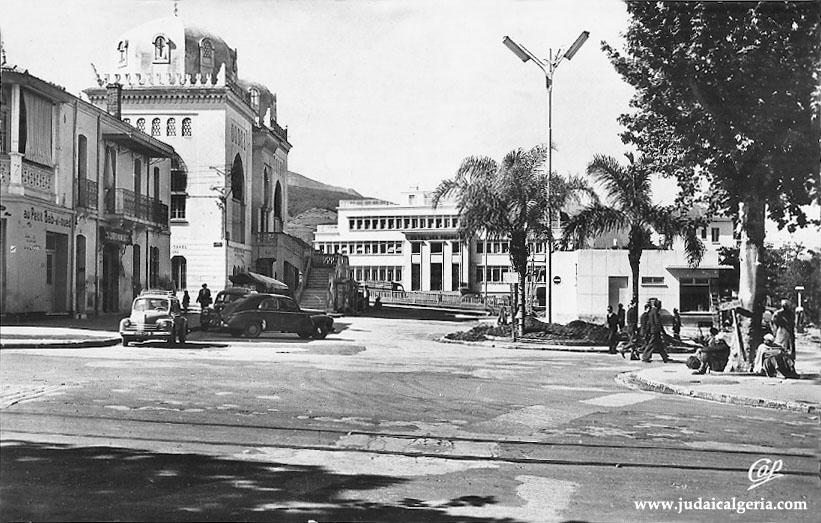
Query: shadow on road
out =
(187, 345)
(48, 482)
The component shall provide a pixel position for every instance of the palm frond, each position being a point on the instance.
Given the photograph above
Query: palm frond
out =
(593, 220)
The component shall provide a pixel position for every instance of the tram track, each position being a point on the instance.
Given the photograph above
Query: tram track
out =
(221, 437)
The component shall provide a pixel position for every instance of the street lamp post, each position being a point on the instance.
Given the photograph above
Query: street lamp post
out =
(548, 67)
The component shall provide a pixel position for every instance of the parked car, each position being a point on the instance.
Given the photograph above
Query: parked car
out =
(210, 317)
(155, 315)
(256, 313)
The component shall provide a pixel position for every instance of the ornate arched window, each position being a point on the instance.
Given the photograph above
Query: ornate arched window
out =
(171, 127)
(278, 201)
(155, 127)
(122, 53)
(141, 124)
(186, 126)
(206, 56)
(254, 99)
(162, 50)
(238, 180)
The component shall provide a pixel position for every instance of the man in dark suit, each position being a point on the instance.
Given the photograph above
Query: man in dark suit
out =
(656, 333)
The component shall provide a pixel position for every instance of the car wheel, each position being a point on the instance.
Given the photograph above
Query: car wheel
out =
(126, 341)
(253, 330)
(320, 333)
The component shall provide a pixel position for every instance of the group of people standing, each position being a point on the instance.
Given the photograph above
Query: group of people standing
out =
(645, 333)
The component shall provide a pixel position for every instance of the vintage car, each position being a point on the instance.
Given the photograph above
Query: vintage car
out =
(155, 315)
(256, 313)
(210, 316)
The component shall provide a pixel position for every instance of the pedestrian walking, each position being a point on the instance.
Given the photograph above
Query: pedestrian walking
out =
(783, 328)
(621, 314)
(186, 301)
(204, 296)
(676, 324)
(656, 331)
(612, 329)
(632, 319)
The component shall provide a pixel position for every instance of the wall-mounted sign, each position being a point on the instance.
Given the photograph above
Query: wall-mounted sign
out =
(557, 280)
(43, 216)
(217, 244)
(117, 237)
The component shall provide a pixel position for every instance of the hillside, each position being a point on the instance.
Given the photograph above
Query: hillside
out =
(304, 224)
(305, 194)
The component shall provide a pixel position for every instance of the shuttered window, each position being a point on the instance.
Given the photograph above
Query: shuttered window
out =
(38, 128)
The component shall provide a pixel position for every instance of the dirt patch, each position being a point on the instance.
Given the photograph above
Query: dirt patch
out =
(576, 332)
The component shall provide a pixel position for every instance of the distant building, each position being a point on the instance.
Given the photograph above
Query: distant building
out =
(84, 214)
(418, 246)
(229, 190)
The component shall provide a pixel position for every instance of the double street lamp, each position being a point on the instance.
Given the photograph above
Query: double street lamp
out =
(548, 67)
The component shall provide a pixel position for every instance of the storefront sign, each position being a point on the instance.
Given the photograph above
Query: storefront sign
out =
(44, 216)
(117, 237)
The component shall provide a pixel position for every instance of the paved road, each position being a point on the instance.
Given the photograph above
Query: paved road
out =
(376, 423)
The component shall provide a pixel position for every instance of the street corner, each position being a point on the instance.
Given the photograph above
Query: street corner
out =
(38, 337)
(798, 395)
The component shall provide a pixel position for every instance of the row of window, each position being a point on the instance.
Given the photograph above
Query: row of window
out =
(384, 247)
(503, 247)
(378, 273)
(496, 273)
(157, 126)
(403, 222)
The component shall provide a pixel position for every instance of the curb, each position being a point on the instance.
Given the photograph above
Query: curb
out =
(62, 344)
(633, 380)
(527, 346)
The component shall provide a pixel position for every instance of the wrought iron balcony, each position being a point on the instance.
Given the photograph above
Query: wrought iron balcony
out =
(87, 194)
(127, 204)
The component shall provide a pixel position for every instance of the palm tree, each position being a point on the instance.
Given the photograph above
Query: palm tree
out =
(509, 200)
(628, 193)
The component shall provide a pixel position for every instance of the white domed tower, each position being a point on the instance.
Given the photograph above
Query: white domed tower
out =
(179, 83)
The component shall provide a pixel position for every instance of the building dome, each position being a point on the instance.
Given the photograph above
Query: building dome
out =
(173, 46)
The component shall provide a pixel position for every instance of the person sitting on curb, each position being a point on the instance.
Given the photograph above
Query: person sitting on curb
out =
(714, 355)
(771, 358)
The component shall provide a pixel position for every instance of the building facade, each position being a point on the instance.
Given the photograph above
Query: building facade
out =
(229, 188)
(418, 246)
(84, 215)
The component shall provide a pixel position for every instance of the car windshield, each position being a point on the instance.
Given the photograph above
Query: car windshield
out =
(151, 304)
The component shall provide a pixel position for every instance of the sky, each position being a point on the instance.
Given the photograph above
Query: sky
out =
(378, 95)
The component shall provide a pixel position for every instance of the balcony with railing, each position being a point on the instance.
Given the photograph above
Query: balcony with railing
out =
(23, 177)
(122, 203)
(87, 194)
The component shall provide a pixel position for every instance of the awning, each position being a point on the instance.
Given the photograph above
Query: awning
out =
(252, 278)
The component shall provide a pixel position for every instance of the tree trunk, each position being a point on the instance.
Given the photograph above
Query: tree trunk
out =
(518, 258)
(751, 214)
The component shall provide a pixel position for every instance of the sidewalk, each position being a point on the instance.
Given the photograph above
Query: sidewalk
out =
(27, 337)
(802, 395)
(64, 331)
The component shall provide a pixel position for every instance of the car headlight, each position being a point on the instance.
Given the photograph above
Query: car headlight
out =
(165, 324)
(126, 322)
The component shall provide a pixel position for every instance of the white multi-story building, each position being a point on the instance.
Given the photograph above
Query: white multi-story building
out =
(229, 198)
(418, 246)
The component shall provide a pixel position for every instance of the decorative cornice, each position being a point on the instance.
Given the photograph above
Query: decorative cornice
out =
(133, 80)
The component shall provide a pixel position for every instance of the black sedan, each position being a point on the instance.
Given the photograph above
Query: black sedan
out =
(255, 313)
